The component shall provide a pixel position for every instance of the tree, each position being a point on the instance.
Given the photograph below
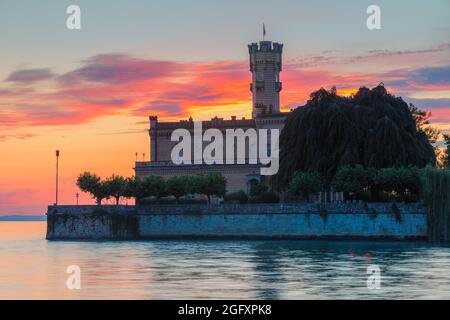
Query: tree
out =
(387, 180)
(91, 183)
(305, 183)
(212, 184)
(116, 186)
(131, 185)
(152, 186)
(371, 128)
(422, 120)
(192, 184)
(446, 162)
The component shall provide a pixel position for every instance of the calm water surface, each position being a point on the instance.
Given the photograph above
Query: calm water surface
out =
(33, 268)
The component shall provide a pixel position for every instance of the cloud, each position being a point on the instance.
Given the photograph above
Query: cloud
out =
(111, 84)
(157, 106)
(429, 103)
(436, 75)
(20, 136)
(30, 75)
(119, 68)
(378, 58)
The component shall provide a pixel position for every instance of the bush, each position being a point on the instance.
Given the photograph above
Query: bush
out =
(236, 197)
(354, 180)
(404, 181)
(258, 189)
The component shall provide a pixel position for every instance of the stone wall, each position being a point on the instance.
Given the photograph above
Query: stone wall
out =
(254, 221)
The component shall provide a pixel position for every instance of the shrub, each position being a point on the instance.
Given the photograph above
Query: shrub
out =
(236, 197)
(265, 197)
(354, 180)
(406, 182)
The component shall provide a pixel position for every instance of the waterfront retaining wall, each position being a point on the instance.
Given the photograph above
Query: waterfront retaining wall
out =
(252, 221)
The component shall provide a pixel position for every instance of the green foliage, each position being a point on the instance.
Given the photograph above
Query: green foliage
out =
(212, 184)
(403, 181)
(446, 162)
(131, 185)
(91, 183)
(258, 189)
(192, 184)
(371, 128)
(152, 186)
(305, 183)
(236, 197)
(177, 186)
(265, 197)
(353, 179)
(387, 180)
(116, 186)
(436, 194)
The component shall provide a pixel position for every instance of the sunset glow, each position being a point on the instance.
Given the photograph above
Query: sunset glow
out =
(93, 103)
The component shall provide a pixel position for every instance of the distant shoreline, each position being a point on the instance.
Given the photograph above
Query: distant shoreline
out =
(23, 218)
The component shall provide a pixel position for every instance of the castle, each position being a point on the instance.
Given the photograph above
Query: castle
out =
(265, 66)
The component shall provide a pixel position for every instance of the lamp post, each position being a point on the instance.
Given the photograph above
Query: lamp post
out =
(57, 169)
(77, 195)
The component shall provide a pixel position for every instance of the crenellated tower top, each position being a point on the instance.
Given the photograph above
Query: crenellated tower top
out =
(265, 66)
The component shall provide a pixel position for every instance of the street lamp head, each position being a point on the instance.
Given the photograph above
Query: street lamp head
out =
(57, 153)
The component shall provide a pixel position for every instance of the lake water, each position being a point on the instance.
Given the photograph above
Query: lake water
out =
(33, 268)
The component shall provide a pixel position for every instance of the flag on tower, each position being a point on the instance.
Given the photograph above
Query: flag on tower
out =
(264, 31)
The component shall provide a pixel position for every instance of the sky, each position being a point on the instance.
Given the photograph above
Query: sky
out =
(89, 92)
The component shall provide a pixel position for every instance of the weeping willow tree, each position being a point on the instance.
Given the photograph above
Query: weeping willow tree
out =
(437, 201)
(372, 128)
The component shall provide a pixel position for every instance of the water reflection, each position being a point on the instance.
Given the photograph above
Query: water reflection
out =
(32, 268)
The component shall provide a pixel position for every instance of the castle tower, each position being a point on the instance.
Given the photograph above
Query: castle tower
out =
(153, 133)
(265, 66)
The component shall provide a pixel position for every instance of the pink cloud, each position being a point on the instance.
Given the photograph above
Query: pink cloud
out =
(110, 84)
